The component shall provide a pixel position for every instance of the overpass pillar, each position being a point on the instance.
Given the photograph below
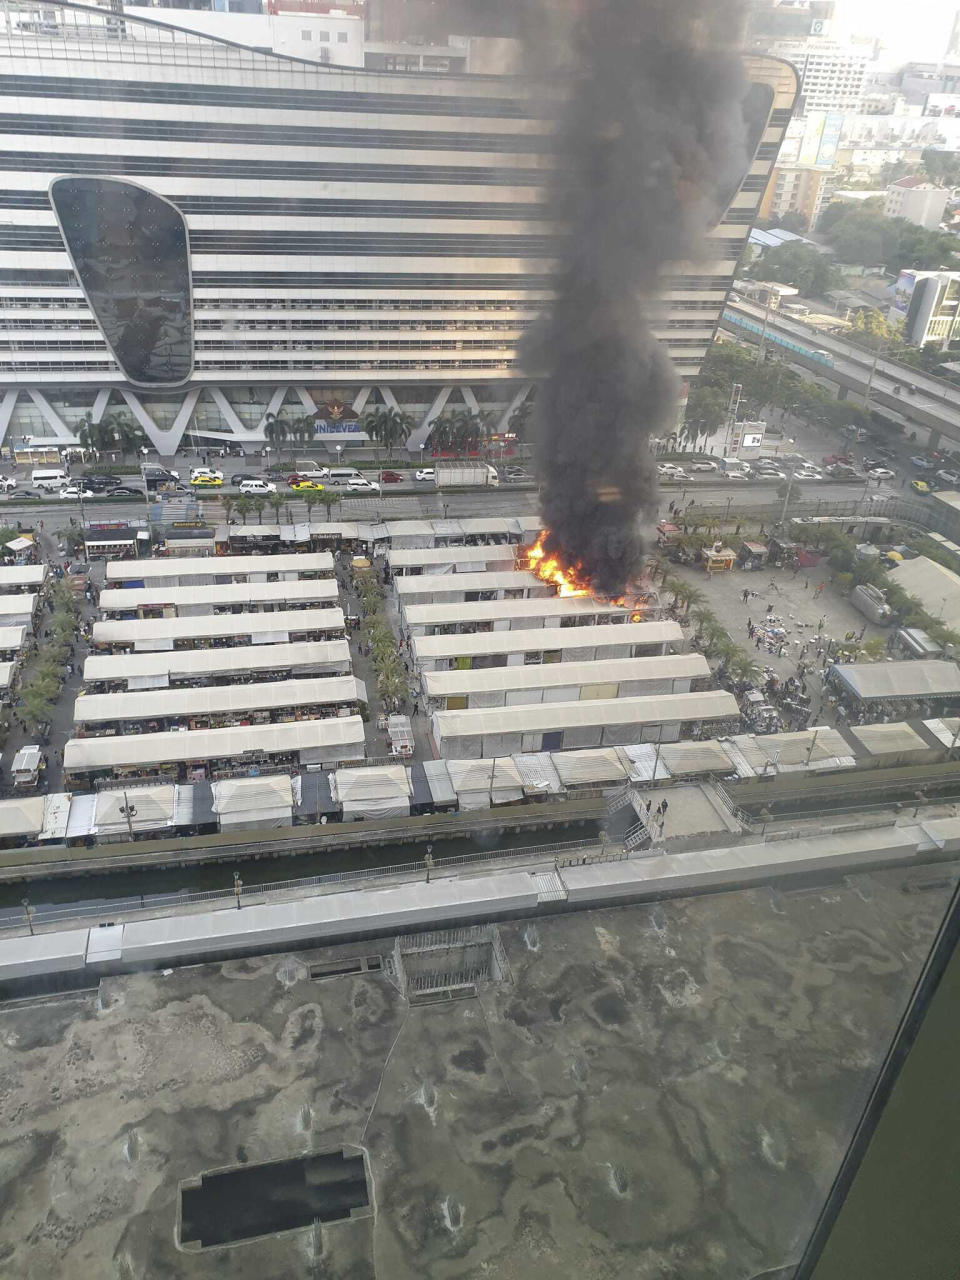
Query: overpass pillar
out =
(842, 393)
(933, 442)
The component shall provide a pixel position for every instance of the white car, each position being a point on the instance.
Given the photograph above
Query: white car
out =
(427, 473)
(7, 483)
(703, 466)
(205, 473)
(257, 487)
(883, 473)
(769, 473)
(948, 477)
(808, 474)
(361, 482)
(74, 491)
(670, 471)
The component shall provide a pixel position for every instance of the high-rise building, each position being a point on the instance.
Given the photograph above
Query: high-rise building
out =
(353, 238)
(832, 76)
(926, 307)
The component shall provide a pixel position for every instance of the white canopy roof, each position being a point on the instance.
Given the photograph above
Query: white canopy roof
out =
(599, 766)
(6, 674)
(471, 611)
(197, 662)
(263, 801)
(225, 593)
(935, 586)
(420, 584)
(923, 678)
(442, 684)
(283, 622)
(21, 575)
(155, 808)
(19, 605)
(411, 557)
(12, 637)
(218, 566)
(537, 638)
(21, 816)
(149, 704)
(374, 791)
(333, 736)
(538, 717)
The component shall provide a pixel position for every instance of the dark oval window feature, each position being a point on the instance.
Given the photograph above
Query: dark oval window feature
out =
(131, 252)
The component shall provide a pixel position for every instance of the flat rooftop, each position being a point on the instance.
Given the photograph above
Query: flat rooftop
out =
(662, 1089)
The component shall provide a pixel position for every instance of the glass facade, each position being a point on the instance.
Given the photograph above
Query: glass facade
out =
(131, 253)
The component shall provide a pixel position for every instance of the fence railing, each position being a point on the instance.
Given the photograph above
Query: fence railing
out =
(115, 911)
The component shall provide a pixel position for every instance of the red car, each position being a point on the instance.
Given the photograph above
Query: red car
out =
(391, 477)
(835, 459)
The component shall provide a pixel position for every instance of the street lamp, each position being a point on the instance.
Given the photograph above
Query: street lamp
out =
(237, 887)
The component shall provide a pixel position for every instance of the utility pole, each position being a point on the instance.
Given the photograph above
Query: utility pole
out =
(129, 811)
(813, 743)
(763, 334)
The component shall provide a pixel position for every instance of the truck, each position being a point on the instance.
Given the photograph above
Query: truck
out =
(735, 468)
(465, 475)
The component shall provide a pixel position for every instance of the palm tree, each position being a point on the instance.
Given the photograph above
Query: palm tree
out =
(93, 435)
(703, 618)
(395, 429)
(244, 506)
(259, 505)
(227, 502)
(329, 498)
(276, 501)
(126, 432)
(742, 667)
(275, 432)
(311, 498)
(519, 420)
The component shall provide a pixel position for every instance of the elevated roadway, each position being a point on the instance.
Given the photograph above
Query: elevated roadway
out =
(933, 406)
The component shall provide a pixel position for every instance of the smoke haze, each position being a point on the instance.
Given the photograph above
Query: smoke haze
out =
(650, 140)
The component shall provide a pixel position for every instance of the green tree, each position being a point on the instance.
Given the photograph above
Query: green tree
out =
(227, 502)
(275, 432)
(799, 264)
(259, 505)
(942, 167)
(244, 506)
(706, 410)
(276, 501)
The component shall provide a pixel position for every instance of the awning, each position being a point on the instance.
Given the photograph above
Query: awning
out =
(599, 766)
(265, 801)
(438, 780)
(537, 774)
(378, 791)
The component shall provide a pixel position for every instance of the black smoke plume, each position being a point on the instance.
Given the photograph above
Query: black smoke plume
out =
(650, 142)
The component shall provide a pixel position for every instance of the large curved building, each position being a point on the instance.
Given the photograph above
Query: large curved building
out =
(349, 238)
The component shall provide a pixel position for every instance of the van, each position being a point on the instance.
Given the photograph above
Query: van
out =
(343, 475)
(50, 481)
(734, 467)
(311, 468)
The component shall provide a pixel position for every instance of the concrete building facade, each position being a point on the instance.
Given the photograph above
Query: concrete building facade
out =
(354, 239)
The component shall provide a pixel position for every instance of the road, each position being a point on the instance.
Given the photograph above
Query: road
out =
(935, 405)
(496, 502)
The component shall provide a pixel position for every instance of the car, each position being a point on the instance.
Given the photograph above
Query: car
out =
(839, 471)
(807, 473)
(670, 471)
(301, 482)
(517, 473)
(7, 483)
(361, 482)
(921, 487)
(100, 484)
(880, 473)
(128, 491)
(869, 463)
(206, 473)
(391, 477)
(240, 476)
(835, 459)
(951, 478)
(922, 463)
(426, 473)
(256, 486)
(703, 465)
(769, 473)
(74, 492)
(206, 482)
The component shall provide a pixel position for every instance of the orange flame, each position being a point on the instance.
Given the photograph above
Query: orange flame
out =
(569, 580)
(549, 569)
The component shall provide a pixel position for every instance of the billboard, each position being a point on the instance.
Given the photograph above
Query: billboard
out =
(902, 296)
(830, 137)
(812, 136)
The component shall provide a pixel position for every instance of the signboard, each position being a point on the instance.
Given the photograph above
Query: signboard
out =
(830, 138)
(812, 136)
(751, 439)
(903, 295)
(335, 416)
